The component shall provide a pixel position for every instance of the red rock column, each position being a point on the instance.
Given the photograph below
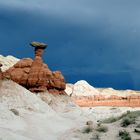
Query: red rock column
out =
(38, 52)
(37, 64)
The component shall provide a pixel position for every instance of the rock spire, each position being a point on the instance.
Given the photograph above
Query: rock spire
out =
(35, 75)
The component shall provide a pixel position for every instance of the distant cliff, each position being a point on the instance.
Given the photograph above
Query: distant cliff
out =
(85, 95)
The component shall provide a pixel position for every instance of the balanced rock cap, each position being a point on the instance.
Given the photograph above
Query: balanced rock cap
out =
(38, 45)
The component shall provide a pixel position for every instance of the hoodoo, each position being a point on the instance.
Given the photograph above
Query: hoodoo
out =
(35, 75)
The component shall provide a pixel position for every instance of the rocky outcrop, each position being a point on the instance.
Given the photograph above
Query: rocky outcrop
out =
(85, 95)
(35, 75)
(7, 62)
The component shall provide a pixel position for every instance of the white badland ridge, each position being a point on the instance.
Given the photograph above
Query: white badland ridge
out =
(28, 116)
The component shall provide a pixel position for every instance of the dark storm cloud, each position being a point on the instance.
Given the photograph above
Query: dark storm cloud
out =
(95, 40)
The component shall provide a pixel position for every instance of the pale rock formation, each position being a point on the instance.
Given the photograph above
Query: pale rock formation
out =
(69, 89)
(81, 88)
(7, 61)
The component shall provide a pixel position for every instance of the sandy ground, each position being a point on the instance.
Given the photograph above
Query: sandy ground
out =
(52, 117)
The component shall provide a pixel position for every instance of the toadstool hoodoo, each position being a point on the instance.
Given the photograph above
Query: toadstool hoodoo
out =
(35, 75)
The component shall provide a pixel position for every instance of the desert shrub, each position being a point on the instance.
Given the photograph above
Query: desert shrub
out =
(87, 129)
(16, 112)
(137, 130)
(127, 121)
(114, 119)
(132, 115)
(124, 135)
(113, 108)
(99, 124)
(102, 128)
(90, 123)
(138, 126)
(110, 120)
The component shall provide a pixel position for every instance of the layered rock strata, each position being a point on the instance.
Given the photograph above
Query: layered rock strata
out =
(35, 75)
(85, 95)
(115, 101)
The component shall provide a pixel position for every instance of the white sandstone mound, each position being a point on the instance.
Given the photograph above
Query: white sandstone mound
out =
(81, 88)
(8, 61)
(27, 116)
(33, 121)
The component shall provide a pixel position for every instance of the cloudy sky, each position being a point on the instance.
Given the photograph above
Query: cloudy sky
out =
(95, 40)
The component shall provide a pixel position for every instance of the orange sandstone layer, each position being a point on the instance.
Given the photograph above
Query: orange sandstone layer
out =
(100, 100)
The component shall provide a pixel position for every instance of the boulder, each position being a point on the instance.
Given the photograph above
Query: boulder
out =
(35, 75)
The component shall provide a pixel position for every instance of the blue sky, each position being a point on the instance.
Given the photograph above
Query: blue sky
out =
(95, 40)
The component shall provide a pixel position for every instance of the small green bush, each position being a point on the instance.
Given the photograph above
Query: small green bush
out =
(16, 112)
(87, 130)
(102, 128)
(132, 115)
(138, 126)
(124, 135)
(127, 121)
(113, 108)
(110, 120)
(136, 130)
